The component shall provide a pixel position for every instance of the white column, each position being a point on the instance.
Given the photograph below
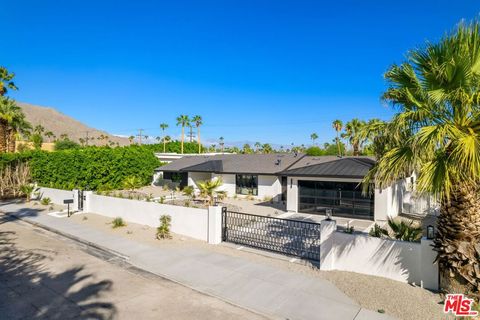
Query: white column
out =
(87, 201)
(429, 270)
(327, 232)
(214, 224)
(74, 206)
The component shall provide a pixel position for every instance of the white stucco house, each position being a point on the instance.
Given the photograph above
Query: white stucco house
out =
(307, 184)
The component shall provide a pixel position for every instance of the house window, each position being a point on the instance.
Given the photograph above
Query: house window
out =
(247, 184)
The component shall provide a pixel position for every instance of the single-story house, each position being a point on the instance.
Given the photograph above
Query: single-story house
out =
(307, 184)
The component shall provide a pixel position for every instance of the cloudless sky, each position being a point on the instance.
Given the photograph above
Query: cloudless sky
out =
(269, 71)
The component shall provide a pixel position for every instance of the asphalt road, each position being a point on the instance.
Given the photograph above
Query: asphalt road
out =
(46, 276)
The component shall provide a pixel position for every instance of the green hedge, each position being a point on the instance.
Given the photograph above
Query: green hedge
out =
(95, 168)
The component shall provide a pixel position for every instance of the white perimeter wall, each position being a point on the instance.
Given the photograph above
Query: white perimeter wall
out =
(191, 222)
(398, 260)
(56, 195)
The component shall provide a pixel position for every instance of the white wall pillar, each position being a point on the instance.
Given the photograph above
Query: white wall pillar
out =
(429, 270)
(75, 200)
(87, 201)
(327, 254)
(214, 224)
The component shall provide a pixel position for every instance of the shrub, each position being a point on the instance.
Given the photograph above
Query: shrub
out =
(27, 190)
(405, 231)
(189, 191)
(163, 231)
(46, 201)
(118, 222)
(377, 231)
(66, 144)
(131, 183)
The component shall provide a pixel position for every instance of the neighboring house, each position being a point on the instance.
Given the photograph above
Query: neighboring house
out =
(307, 184)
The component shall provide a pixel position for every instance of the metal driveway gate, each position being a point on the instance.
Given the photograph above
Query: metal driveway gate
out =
(292, 237)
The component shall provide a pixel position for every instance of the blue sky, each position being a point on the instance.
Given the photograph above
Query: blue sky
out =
(269, 71)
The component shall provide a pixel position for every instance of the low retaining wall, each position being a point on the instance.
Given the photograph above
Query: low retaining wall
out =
(56, 195)
(398, 260)
(191, 222)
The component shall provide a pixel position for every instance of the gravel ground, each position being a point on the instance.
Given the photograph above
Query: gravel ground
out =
(400, 300)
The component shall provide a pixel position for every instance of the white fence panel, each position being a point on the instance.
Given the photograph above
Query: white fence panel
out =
(56, 195)
(191, 222)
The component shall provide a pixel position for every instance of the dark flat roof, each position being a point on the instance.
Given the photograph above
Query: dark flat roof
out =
(334, 167)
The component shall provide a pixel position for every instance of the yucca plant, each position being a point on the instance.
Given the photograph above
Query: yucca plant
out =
(163, 231)
(131, 183)
(46, 201)
(436, 133)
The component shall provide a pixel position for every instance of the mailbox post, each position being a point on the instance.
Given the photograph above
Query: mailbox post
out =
(68, 202)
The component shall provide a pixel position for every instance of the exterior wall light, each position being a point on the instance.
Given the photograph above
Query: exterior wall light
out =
(430, 232)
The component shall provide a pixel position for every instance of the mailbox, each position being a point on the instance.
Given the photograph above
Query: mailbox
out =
(68, 202)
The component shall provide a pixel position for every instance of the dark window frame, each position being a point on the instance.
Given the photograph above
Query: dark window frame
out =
(248, 182)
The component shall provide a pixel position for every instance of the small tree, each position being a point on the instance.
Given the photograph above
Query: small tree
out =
(209, 189)
(131, 183)
(163, 231)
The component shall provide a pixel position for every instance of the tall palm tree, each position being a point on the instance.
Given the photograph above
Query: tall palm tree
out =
(221, 143)
(267, 148)
(184, 121)
(12, 121)
(198, 122)
(353, 129)
(6, 81)
(130, 139)
(163, 126)
(49, 135)
(437, 94)
(314, 137)
(338, 126)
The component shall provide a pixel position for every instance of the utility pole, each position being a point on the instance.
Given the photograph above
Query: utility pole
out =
(140, 136)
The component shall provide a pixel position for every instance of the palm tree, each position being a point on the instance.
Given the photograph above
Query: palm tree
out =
(221, 143)
(12, 121)
(314, 137)
(163, 126)
(246, 149)
(338, 126)
(209, 189)
(198, 122)
(353, 130)
(6, 81)
(438, 97)
(267, 148)
(49, 135)
(130, 139)
(39, 129)
(376, 133)
(183, 121)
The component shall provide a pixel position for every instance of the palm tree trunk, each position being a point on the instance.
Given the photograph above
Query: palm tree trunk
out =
(11, 140)
(355, 150)
(458, 241)
(198, 140)
(3, 136)
(183, 132)
(164, 146)
(338, 146)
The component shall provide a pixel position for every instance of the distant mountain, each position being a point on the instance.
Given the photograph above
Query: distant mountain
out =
(59, 124)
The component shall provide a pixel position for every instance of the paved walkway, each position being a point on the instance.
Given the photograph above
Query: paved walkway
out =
(256, 286)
